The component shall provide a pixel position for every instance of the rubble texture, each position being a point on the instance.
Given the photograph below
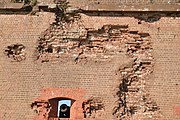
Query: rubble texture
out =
(42, 108)
(16, 52)
(134, 103)
(93, 107)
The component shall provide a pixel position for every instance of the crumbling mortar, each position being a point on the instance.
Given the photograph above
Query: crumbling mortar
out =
(42, 108)
(93, 107)
(58, 33)
(16, 52)
(133, 98)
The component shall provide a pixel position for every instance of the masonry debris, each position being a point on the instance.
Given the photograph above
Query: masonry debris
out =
(93, 107)
(73, 40)
(68, 38)
(16, 52)
(42, 108)
(134, 102)
(62, 36)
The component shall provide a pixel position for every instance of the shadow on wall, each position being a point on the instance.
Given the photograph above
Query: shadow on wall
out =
(141, 16)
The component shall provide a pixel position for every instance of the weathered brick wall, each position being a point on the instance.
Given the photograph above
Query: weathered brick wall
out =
(22, 82)
(16, 77)
(164, 86)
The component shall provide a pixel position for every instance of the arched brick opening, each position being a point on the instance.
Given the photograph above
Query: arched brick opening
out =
(52, 95)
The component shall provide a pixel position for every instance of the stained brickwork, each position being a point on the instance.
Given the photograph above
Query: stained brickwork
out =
(22, 82)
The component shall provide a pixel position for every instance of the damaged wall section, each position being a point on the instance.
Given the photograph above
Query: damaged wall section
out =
(16, 52)
(72, 40)
(93, 107)
(93, 45)
(134, 102)
(102, 44)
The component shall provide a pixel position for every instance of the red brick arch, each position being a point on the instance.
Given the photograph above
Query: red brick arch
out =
(76, 95)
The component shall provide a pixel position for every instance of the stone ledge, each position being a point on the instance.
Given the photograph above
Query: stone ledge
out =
(145, 7)
(12, 6)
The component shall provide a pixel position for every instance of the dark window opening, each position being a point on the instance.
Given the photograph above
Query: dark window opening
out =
(60, 108)
(64, 111)
(64, 108)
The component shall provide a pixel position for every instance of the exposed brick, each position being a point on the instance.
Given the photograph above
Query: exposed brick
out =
(21, 82)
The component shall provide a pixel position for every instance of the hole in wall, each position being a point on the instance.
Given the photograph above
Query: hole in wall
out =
(16, 52)
(64, 108)
(60, 107)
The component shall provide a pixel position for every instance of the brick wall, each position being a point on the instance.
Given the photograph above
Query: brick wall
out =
(164, 85)
(16, 77)
(22, 82)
